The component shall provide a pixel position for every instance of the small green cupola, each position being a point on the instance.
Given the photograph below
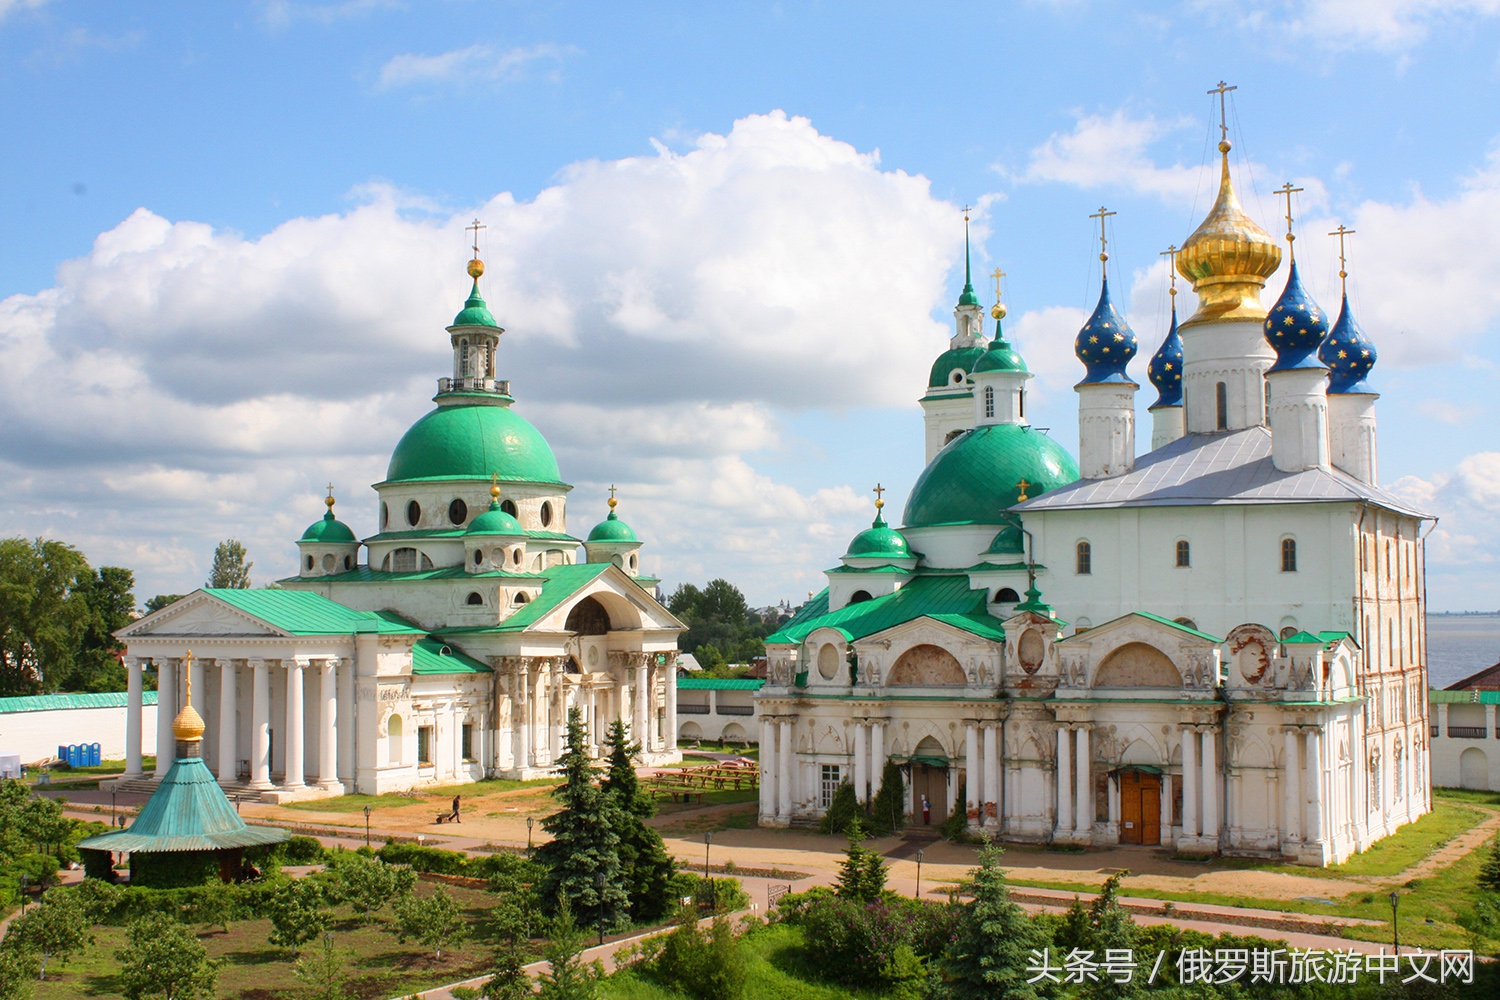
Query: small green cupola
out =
(999, 376)
(879, 545)
(475, 312)
(494, 541)
(476, 339)
(613, 541)
(328, 546)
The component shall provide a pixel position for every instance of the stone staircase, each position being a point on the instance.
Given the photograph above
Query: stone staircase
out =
(146, 785)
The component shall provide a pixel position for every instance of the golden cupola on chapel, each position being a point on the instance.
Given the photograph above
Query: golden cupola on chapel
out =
(1228, 258)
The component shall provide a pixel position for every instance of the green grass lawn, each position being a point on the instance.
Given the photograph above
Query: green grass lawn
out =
(380, 966)
(1408, 845)
(357, 803)
(775, 971)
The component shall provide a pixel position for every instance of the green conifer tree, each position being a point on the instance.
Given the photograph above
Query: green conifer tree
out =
(993, 941)
(583, 857)
(646, 865)
(887, 811)
(862, 873)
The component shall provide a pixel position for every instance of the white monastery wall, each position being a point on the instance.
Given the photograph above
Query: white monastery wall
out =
(37, 735)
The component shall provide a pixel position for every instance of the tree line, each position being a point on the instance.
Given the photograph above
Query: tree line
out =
(722, 628)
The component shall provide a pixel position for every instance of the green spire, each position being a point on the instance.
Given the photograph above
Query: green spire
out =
(968, 298)
(475, 312)
(1034, 602)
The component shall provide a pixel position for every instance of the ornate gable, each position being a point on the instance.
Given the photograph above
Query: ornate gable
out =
(198, 614)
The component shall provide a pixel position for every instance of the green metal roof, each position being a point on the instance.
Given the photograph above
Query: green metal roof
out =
(879, 541)
(1443, 697)
(473, 442)
(432, 656)
(496, 521)
(475, 312)
(944, 598)
(328, 529)
(1305, 638)
(612, 529)
(1332, 637)
(56, 702)
(1146, 614)
(187, 812)
(364, 574)
(719, 683)
(562, 582)
(975, 477)
(955, 357)
(1000, 357)
(302, 612)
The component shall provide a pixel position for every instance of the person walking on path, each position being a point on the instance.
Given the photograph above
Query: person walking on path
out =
(455, 810)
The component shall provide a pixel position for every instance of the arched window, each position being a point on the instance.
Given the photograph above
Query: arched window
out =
(519, 599)
(1288, 631)
(515, 556)
(458, 511)
(463, 357)
(1188, 622)
(1184, 553)
(474, 598)
(309, 563)
(1085, 559)
(859, 597)
(1221, 406)
(546, 513)
(1289, 555)
(989, 401)
(478, 557)
(404, 561)
(509, 506)
(385, 515)
(413, 513)
(1266, 411)
(588, 617)
(394, 734)
(632, 561)
(1007, 595)
(1021, 404)
(348, 562)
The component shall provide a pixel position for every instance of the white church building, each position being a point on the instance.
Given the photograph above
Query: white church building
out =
(1230, 653)
(448, 647)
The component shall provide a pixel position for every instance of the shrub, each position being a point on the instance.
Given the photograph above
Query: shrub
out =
(726, 894)
(163, 959)
(708, 967)
(858, 944)
(298, 913)
(302, 851)
(843, 808)
(435, 920)
(425, 859)
(887, 811)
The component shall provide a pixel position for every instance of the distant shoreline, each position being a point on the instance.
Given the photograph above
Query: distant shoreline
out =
(1463, 614)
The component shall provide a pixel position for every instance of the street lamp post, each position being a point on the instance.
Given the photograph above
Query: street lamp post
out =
(1395, 898)
(367, 826)
(24, 883)
(599, 885)
(529, 821)
(918, 894)
(112, 820)
(708, 839)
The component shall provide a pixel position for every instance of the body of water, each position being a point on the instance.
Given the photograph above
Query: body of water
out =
(1460, 645)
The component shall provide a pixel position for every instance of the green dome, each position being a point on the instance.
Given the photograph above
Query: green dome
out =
(473, 442)
(612, 529)
(1001, 357)
(1008, 542)
(495, 522)
(329, 529)
(475, 312)
(958, 357)
(878, 541)
(974, 479)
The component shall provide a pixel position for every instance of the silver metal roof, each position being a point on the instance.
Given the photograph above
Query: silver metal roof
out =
(1227, 468)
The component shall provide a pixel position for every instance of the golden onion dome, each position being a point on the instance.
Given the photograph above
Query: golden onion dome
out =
(1228, 258)
(188, 726)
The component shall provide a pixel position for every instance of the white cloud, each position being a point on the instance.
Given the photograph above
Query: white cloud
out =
(8, 7)
(282, 13)
(1463, 550)
(480, 63)
(1385, 25)
(182, 384)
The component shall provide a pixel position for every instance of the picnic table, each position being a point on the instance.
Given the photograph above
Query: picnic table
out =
(692, 782)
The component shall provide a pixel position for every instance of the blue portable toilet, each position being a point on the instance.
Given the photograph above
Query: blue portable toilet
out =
(62, 753)
(95, 755)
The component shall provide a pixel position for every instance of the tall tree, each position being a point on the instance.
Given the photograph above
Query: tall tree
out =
(108, 594)
(583, 857)
(567, 977)
(647, 867)
(862, 873)
(434, 920)
(231, 571)
(163, 960)
(161, 601)
(59, 929)
(42, 618)
(988, 953)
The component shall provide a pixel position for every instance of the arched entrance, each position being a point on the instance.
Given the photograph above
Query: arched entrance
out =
(1473, 769)
(1140, 806)
(929, 783)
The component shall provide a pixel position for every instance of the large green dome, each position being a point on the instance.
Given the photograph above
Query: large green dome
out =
(957, 357)
(473, 442)
(974, 479)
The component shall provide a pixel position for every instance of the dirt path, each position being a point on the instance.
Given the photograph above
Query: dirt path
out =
(1447, 854)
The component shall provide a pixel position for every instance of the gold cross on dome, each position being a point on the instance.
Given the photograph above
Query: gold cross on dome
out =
(1221, 90)
(1286, 190)
(1341, 232)
(1171, 254)
(967, 209)
(474, 227)
(879, 492)
(1101, 215)
(187, 672)
(612, 500)
(997, 274)
(1022, 487)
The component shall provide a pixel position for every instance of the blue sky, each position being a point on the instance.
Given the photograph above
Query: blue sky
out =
(724, 242)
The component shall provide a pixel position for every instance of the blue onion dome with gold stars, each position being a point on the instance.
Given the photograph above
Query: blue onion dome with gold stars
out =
(329, 528)
(1165, 367)
(1348, 353)
(1000, 357)
(879, 540)
(1105, 344)
(1295, 327)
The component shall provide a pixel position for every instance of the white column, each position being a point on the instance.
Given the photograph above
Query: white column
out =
(1083, 769)
(1064, 780)
(294, 721)
(328, 727)
(784, 772)
(521, 718)
(991, 787)
(1315, 782)
(1166, 809)
(1189, 782)
(639, 731)
(345, 721)
(260, 716)
(877, 753)
(973, 768)
(767, 767)
(861, 763)
(1210, 785)
(1112, 790)
(133, 710)
(671, 684)
(166, 710)
(229, 736)
(1290, 775)
(1489, 725)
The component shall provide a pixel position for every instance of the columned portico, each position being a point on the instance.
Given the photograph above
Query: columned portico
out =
(784, 773)
(861, 763)
(989, 813)
(1210, 784)
(1292, 800)
(1190, 779)
(640, 731)
(973, 767)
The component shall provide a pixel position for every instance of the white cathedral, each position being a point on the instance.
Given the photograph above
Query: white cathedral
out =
(1217, 646)
(448, 647)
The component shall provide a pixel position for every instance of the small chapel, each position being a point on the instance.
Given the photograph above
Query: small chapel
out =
(448, 647)
(1216, 646)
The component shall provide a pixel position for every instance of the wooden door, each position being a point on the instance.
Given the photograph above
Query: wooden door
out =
(1130, 807)
(933, 783)
(1151, 811)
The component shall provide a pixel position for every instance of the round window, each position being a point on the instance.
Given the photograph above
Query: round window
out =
(328, 563)
(385, 515)
(458, 512)
(509, 506)
(515, 556)
(413, 513)
(828, 661)
(546, 512)
(498, 555)
(478, 557)
(309, 562)
(348, 562)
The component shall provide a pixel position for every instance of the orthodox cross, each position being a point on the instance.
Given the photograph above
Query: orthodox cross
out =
(612, 500)
(997, 274)
(1341, 232)
(1022, 487)
(187, 672)
(1221, 90)
(879, 499)
(967, 210)
(1171, 254)
(1101, 215)
(1286, 190)
(474, 227)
